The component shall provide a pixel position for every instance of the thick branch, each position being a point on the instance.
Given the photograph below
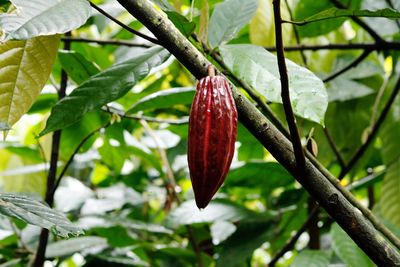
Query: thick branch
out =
(349, 218)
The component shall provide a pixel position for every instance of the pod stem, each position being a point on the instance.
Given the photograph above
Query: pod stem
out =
(211, 70)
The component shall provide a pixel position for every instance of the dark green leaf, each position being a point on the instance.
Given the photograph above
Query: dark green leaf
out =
(103, 88)
(228, 18)
(165, 99)
(181, 23)
(79, 69)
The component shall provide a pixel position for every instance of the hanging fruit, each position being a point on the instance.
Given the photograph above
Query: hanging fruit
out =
(212, 136)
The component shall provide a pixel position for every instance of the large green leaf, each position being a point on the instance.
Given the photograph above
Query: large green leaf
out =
(389, 203)
(25, 67)
(80, 244)
(103, 88)
(311, 258)
(228, 18)
(165, 99)
(347, 250)
(42, 17)
(34, 212)
(259, 68)
(343, 89)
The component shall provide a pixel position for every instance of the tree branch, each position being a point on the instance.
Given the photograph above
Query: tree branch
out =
(285, 93)
(328, 196)
(360, 152)
(350, 46)
(353, 64)
(103, 42)
(334, 148)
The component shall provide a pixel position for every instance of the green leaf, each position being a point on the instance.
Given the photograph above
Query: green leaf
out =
(38, 17)
(228, 18)
(311, 258)
(165, 99)
(389, 204)
(34, 212)
(268, 175)
(248, 237)
(259, 68)
(307, 8)
(217, 210)
(68, 247)
(78, 68)
(347, 250)
(343, 89)
(163, 4)
(337, 13)
(25, 67)
(103, 88)
(182, 23)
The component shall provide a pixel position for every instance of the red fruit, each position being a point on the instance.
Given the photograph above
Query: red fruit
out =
(212, 136)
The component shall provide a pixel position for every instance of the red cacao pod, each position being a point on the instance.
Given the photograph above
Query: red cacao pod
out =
(212, 136)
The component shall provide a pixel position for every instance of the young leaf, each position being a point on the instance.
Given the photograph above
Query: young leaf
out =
(34, 212)
(164, 99)
(228, 18)
(43, 17)
(103, 88)
(259, 68)
(25, 67)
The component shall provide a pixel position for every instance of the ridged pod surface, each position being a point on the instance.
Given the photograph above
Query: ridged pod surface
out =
(212, 136)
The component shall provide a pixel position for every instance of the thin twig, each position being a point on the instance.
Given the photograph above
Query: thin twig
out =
(353, 64)
(71, 158)
(360, 152)
(334, 148)
(103, 42)
(296, 32)
(377, 101)
(145, 118)
(126, 27)
(287, 105)
(52, 174)
(292, 241)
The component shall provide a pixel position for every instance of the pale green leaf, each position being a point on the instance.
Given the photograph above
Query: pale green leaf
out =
(259, 68)
(80, 244)
(25, 67)
(343, 89)
(347, 250)
(228, 18)
(34, 212)
(311, 258)
(103, 88)
(43, 17)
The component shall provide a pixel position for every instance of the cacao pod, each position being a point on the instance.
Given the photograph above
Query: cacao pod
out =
(212, 136)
